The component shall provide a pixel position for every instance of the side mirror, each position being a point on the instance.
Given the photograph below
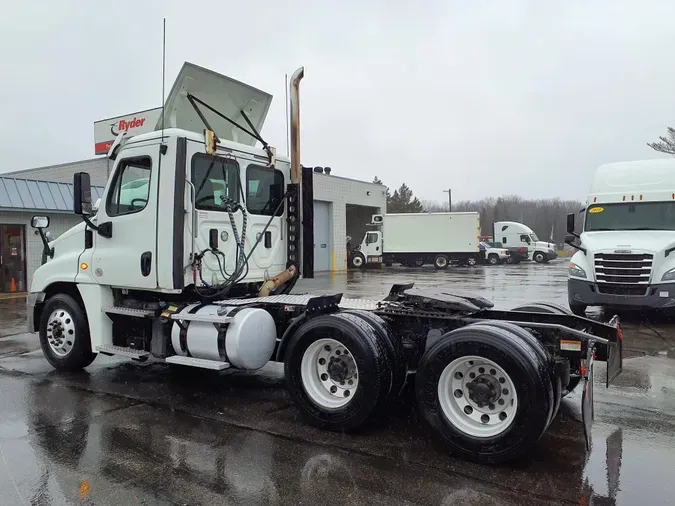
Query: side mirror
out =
(570, 223)
(569, 239)
(82, 194)
(39, 221)
(376, 219)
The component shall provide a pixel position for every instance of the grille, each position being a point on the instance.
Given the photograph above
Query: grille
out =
(624, 273)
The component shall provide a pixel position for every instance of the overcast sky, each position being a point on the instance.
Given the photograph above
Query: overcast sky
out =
(486, 97)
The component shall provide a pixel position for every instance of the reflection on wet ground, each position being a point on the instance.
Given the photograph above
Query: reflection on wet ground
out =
(128, 433)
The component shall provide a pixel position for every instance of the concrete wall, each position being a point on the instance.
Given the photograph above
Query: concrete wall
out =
(33, 254)
(98, 169)
(342, 191)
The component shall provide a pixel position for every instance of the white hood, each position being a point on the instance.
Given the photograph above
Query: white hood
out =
(652, 241)
(544, 245)
(226, 95)
(68, 233)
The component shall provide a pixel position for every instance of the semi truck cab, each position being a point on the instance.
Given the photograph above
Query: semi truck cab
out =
(626, 249)
(511, 233)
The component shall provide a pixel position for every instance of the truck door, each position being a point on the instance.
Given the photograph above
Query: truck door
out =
(128, 258)
(265, 189)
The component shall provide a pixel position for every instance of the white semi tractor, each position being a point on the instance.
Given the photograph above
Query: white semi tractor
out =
(199, 271)
(626, 246)
(512, 233)
(415, 239)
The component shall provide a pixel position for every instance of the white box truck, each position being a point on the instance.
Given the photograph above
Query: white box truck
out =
(626, 249)
(415, 239)
(512, 233)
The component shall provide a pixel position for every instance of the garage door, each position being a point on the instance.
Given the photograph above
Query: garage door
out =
(322, 235)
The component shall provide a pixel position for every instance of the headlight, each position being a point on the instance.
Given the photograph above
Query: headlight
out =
(669, 275)
(578, 272)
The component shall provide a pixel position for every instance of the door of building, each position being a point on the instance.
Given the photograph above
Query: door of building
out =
(322, 235)
(12, 258)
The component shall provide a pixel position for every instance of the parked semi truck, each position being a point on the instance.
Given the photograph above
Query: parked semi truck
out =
(200, 271)
(625, 251)
(512, 233)
(415, 239)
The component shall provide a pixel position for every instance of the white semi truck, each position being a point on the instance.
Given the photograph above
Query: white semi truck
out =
(512, 233)
(415, 239)
(198, 271)
(626, 248)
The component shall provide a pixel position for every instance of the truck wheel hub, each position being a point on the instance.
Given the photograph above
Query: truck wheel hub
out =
(484, 390)
(329, 373)
(338, 370)
(477, 396)
(60, 332)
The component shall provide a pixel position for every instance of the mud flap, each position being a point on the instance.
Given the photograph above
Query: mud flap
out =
(615, 353)
(587, 411)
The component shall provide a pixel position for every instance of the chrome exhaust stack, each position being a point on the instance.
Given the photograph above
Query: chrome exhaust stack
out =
(296, 171)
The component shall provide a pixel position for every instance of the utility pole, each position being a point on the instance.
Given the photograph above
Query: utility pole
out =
(449, 192)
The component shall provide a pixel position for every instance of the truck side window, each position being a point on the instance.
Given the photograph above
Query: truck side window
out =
(131, 187)
(503, 240)
(371, 238)
(214, 177)
(525, 238)
(264, 190)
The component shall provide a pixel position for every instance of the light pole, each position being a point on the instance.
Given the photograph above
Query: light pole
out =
(449, 192)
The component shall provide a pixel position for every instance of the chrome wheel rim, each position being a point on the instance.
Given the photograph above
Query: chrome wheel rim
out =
(61, 332)
(477, 396)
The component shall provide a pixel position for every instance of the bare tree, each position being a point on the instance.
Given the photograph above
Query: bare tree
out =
(666, 144)
(547, 217)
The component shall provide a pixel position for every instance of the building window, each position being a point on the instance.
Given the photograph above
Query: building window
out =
(214, 177)
(131, 188)
(264, 190)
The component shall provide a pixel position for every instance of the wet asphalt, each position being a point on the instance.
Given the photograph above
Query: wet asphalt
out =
(129, 433)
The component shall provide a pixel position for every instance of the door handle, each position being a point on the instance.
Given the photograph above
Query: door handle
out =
(146, 263)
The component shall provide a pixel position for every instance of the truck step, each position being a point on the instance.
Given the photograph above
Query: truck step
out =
(214, 365)
(122, 351)
(128, 311)
(208, 318)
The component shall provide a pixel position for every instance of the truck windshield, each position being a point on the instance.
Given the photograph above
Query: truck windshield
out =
(631, 216)
(534, 237)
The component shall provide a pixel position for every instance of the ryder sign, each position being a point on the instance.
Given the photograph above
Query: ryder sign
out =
(136, 123)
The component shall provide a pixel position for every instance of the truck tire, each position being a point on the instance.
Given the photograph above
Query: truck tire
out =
(64, 334)
(544, 356)
(471, 261)
(358, 260)
(459, 409)
(319, 389)
(493, 259)
(510, 260)
(539, 257)
(551, 308)
(399, 368)
(441, 262)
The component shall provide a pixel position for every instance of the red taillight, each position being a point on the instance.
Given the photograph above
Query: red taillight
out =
(583, 370)
(619, 333)
(522, 250)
